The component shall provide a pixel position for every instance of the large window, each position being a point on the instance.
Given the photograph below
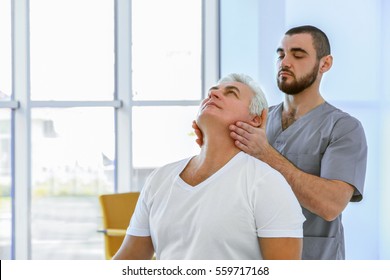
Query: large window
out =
(106, 91)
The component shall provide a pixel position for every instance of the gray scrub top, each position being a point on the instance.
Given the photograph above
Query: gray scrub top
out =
(329, 143)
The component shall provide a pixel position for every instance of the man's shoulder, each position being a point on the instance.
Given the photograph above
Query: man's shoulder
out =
(338, 116)
(172, 167)
(326, 109)
(162, 176)
(275, 108)
(257, 166)
(261, 176)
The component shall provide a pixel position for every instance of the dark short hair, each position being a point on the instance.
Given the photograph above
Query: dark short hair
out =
(320, 40)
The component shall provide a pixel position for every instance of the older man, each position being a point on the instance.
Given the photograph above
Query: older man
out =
(222, 203)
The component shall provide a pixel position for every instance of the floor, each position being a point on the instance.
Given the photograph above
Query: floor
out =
(63, 228)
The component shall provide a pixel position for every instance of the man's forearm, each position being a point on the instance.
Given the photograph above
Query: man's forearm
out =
(326, 198)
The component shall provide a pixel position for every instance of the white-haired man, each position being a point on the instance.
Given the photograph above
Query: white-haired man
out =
(221, 203)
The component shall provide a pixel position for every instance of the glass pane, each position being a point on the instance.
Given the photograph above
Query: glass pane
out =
(5, 50)
(156, 145)
(72, 163)
(72, 49)
(5, 185)
(167, 59)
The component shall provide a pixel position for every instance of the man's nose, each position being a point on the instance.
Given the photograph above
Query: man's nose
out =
(285, 62)
(215, 93)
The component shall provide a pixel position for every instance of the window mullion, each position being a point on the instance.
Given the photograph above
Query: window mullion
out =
(21, 132)
(70, 104)
(9, 104)
(210, 44)
(123, 89)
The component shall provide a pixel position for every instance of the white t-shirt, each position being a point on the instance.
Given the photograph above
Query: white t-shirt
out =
(222, 217)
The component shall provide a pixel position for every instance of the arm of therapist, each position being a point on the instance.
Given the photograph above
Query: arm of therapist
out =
(135, 248)
(326, 198)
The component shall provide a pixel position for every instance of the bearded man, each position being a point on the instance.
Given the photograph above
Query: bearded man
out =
(320, 150)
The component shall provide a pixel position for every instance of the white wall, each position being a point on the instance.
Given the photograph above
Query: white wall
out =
(359, 34)
(384, 149)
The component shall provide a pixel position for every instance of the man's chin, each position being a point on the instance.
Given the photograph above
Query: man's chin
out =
(288, 89)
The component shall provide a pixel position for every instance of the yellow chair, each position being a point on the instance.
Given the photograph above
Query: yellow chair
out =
(117, 210)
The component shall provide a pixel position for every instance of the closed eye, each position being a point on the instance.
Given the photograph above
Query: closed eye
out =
(299, 55)
(232, 90)
(280, 53)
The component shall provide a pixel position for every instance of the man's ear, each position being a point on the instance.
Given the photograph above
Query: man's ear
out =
(256, 121)
(326, 63)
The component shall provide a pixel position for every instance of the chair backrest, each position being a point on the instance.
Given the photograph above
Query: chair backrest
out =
(117, 210)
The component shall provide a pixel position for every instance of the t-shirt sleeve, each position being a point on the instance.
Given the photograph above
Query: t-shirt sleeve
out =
(139, 223)
(345, 158)
(276, 209)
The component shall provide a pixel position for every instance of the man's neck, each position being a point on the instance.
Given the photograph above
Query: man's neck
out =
(296, 106)
(217, 150)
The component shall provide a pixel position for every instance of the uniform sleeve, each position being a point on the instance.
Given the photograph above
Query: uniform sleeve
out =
(277, 211)
(345, 158)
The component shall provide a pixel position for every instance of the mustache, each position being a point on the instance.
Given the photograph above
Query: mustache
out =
(210, 103)
(286, 71)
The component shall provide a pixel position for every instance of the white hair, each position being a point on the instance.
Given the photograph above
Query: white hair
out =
(259, 102)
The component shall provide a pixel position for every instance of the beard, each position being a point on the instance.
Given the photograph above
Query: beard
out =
(298, 85)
